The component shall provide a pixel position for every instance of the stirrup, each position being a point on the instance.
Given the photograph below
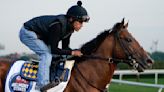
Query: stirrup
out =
(49, 86)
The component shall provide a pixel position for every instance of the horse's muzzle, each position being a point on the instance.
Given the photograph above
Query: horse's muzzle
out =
(150, 62)
(146, 64)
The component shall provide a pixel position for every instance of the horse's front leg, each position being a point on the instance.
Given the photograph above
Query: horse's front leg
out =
(1, 86)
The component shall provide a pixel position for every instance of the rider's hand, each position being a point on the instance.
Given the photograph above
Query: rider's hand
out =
(76, 53)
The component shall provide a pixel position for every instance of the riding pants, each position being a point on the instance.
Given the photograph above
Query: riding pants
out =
(29, 38)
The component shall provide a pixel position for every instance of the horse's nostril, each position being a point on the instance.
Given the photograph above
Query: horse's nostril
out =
(150, 61)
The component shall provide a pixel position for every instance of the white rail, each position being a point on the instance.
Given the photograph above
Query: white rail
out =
(139, 84)
(130, 72)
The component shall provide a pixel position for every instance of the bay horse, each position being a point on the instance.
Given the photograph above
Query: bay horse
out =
(4, 67)
(101, 56)
(94, 70)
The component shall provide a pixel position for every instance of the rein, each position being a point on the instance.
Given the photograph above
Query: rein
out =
(110, 60)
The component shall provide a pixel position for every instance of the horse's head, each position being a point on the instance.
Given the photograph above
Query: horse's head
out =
(128, 49)
(106, 50)
(119, 45)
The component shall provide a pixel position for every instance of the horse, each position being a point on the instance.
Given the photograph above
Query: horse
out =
(4, 67)
(93, 71)
(101, 56)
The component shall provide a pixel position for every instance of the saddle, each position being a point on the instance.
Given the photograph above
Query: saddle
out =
(60, 68)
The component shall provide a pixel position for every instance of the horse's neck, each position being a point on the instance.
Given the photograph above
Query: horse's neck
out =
(99, 71)
(105, 50)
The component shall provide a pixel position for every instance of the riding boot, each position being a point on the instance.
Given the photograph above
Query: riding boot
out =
(49, 86)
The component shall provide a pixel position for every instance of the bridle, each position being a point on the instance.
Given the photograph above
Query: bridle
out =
(129, 54)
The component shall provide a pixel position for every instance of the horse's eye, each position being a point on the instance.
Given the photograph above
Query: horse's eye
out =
(128, 40)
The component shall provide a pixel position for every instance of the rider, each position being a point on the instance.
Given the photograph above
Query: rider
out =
(42, 35)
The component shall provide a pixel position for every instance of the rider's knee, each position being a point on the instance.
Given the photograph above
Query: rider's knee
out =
(46, 57)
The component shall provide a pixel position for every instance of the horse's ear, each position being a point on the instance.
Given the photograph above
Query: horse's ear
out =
(118, 26)
(126, 25)
(122, 22)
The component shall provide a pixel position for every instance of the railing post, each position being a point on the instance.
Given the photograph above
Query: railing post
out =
(156, 78)
(120, 78)
(160, 90)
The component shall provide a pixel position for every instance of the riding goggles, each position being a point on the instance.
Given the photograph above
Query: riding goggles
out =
(83, 18)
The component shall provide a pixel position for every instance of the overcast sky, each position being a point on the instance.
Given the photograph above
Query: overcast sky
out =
(146, 20)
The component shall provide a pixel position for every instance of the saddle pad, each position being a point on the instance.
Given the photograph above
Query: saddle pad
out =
(29, 70)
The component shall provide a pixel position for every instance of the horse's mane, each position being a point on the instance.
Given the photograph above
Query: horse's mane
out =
(93, 44)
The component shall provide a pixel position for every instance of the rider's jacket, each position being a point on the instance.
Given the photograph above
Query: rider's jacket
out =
(52, 29)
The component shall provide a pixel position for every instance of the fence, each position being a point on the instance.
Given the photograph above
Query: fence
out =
(130, 72)
(139, 84)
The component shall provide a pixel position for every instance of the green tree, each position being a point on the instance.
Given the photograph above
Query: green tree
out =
(157, 56)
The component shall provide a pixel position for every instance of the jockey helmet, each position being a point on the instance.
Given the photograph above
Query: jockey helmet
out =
(77, 12)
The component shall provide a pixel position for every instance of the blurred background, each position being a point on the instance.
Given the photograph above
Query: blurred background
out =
(146, 24)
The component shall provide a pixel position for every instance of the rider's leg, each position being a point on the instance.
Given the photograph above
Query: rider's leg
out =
(30, 39)
(44, 66)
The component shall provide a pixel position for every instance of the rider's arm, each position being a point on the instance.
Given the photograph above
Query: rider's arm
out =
(54, 38)
(66, 42)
